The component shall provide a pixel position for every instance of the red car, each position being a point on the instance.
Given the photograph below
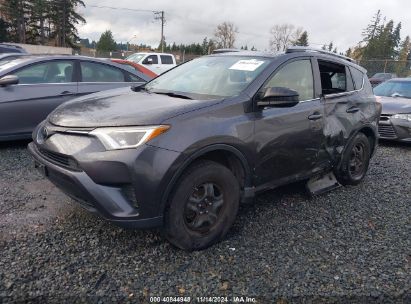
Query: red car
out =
(136, 66)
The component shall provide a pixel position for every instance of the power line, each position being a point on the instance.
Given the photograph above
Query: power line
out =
(158, 15)
(123, 8)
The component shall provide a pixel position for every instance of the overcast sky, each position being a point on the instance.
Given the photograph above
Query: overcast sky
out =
(190, 21)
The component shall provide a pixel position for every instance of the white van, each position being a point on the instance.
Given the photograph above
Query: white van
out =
(156, 62)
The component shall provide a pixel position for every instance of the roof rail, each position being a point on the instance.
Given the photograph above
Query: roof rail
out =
(297, 49)
(220, 51)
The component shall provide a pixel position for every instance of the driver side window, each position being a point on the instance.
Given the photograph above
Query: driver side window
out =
(297, 76)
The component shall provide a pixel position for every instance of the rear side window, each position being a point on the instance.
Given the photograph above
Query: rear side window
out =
(333, 77)
(166, 59)
(358, 77)
(97, 72)
(46, 72)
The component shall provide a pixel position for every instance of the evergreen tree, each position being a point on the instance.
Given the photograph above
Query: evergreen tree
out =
(65, 19)
(4, 34)
(106, 42)
(40, 12)
(16, 13)
(404, 63)
(373, 28)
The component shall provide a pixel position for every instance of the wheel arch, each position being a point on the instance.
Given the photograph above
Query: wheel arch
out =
(225, 154)
(370, 132)
(372, 136)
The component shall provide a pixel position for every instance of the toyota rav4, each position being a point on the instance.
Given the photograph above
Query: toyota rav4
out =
(183, 150)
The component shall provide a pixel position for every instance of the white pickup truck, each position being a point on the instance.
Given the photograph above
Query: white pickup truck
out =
(155, 62)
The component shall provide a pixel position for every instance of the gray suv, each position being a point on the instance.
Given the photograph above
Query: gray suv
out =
(182, 151)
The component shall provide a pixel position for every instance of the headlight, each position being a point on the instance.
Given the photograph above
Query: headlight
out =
(116, 138)
(402, 116)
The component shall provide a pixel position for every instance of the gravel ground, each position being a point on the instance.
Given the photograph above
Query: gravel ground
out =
(352, 244)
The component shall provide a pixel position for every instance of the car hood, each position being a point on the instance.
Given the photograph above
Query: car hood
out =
(122, 107)
(395, 105)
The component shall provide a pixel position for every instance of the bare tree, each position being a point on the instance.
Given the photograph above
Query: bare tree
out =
(225, 34)
(283, 36)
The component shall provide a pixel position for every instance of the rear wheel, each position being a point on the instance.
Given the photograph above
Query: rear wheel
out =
(354, 165)
(203, 206)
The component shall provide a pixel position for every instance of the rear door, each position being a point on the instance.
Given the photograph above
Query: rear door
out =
(167, 62)
(41, 88)
(96, 76)
(344, 110)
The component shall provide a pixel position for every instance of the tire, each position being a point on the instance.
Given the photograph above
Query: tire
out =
(203, 206)
(355, 161)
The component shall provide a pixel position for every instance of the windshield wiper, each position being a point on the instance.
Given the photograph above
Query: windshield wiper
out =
(172, 94)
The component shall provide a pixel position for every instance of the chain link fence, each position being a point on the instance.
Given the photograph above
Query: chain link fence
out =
(402, 68)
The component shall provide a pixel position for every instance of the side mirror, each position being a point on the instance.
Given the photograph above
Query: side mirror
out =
(278, 97)
(9, 80)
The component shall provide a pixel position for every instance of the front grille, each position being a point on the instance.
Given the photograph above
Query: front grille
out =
(60, 159)
(386, 131)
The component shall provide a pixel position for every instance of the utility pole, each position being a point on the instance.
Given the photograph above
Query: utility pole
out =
(160, 16)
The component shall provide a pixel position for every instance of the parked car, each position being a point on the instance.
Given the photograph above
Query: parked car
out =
(155, 62)
(11, 48)
(381, 77)
(395, 121)
(183, 150)
(32, 86)
(5, 57)
(135, 66)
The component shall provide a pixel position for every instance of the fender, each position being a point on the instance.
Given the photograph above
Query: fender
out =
(248, 189)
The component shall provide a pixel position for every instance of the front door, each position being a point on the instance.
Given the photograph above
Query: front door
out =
(41, 88)
(288, 139)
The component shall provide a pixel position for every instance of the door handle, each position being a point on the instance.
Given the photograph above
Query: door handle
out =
(65, 93)
(352, 110)
(315, 116)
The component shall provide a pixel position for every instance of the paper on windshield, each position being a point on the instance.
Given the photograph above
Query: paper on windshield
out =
(246, 65)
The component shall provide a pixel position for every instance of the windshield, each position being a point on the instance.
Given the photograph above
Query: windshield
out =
(394, 89)
(135, 57)
(210, 77)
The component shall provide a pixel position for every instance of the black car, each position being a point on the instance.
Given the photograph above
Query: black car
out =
(11, 48)
(182, 151)
(34, 85)
(395, 120)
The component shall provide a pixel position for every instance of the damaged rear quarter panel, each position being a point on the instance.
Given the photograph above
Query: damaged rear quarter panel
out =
(340, 124)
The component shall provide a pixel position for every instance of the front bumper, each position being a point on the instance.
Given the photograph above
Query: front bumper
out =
(394, 129)
(114, 189)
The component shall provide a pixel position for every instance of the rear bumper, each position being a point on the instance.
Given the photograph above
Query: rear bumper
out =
(121, 204)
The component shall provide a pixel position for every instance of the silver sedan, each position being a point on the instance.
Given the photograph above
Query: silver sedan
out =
(32, 86)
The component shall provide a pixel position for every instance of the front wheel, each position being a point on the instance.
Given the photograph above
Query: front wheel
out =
(355, 161)
(203, 206)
